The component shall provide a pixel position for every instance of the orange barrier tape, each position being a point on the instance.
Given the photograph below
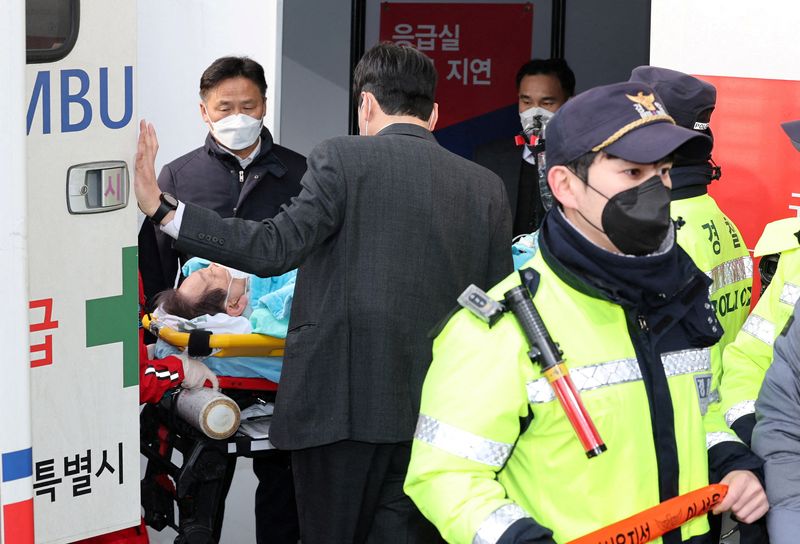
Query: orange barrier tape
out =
(658, 520)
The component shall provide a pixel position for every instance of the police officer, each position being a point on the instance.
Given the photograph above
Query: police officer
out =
(746, 360)
(495, 459)
(710, 238)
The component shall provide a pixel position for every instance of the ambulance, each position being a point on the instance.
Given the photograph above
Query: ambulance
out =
(69, 437)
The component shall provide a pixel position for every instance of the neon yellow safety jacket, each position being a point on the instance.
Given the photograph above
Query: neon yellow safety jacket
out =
(717, 248)
(493, 445)
(747, 359)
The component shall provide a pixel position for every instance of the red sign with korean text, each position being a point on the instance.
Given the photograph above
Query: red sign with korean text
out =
(476, 48)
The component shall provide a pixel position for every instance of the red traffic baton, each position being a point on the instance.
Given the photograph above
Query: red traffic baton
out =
(654, 522)
(545, 352)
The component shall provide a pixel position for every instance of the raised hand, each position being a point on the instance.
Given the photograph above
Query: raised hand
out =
(144, 180)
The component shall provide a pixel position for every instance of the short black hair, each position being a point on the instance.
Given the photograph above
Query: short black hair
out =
(402, 79)
(554, 67)
(173, 302)
(229, 67)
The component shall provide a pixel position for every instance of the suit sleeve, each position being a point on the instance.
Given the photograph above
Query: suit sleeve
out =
(777, 437)
(277, 245)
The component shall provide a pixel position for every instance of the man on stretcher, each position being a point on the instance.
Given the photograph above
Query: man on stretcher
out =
(218, 299)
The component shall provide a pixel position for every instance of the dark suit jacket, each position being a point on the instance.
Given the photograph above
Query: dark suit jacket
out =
(387, 231)
(213, 178)
(503, 157)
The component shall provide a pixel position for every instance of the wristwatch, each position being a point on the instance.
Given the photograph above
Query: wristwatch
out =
(168, 203)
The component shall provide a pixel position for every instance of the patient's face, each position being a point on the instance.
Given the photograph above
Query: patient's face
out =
(213, 277)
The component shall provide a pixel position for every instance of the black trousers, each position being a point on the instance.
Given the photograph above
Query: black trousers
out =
(276, 512)
(352, 493)
(755, 533)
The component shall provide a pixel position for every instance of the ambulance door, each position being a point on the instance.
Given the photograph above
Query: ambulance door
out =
(81, 138)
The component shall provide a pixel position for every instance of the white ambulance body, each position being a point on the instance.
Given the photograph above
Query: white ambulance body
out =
(69, 436)
(82, 266)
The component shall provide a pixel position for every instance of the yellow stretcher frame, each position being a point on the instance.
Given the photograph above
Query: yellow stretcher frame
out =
(229, 345)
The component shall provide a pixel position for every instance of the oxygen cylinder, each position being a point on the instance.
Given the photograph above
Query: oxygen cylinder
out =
(214, 414)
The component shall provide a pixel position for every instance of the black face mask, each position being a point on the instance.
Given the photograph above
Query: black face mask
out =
(637, 220)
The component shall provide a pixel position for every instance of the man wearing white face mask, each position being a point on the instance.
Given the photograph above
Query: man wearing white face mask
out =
(238, 172)
(543, 85)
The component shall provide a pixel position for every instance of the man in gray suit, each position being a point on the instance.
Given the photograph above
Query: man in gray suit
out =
(387, 232)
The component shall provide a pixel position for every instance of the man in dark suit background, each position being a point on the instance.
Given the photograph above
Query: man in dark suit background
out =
(543, 85)
(387, 232)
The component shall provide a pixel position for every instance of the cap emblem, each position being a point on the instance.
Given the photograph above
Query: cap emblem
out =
(646, 101)
(646, 105)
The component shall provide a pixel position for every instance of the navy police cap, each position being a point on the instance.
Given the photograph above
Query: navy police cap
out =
(689, 100)
(626, 120)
